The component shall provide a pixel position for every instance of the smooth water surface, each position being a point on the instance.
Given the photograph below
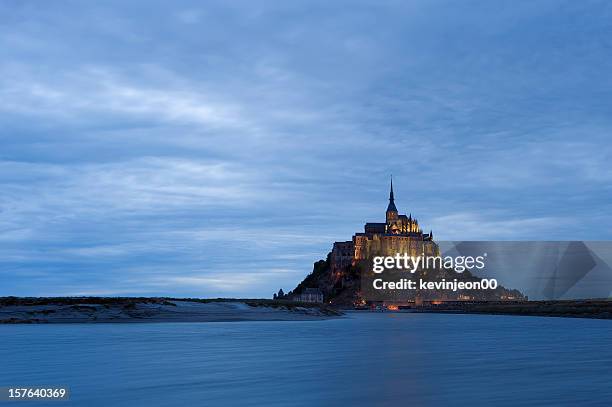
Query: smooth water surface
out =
(361, 360)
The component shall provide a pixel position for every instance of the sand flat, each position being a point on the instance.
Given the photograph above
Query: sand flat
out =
(166, 311)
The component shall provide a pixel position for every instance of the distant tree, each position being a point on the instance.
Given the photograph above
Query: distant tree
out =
(274, 296)
(281, 293)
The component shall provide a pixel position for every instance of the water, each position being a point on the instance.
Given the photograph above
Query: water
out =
(363, 360)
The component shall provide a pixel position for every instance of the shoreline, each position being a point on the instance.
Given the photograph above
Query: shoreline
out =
(34, 310)
(70, 310)
(592, 309)
(587, 308)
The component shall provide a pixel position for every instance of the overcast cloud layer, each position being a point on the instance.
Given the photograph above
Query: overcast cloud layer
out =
(185, 149)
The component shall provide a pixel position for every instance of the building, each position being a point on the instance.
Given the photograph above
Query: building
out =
(343, 254)
(309, 295)
(398, 234)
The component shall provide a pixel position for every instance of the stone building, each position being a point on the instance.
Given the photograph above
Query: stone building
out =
(398, 234)
(309, 295)
(343, 254)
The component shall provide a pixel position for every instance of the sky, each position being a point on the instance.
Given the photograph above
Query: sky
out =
(218, 149)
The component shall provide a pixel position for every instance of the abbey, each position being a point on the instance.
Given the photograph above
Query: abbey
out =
(398, 234)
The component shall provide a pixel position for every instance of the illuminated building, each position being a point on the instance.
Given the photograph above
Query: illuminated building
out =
(398, 234)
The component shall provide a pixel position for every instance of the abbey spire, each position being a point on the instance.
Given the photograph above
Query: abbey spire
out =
(391, 207)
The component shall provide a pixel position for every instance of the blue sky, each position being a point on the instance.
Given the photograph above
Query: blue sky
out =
(219, 148)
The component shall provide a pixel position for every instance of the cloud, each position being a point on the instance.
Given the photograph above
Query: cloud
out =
(144, 149)
(496, 226)
(100, 90)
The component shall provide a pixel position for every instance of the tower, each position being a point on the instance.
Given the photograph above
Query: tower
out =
(391, 214)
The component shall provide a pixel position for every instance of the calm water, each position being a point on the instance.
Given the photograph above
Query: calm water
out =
(362, 360)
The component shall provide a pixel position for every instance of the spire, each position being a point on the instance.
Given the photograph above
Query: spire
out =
(391, 207)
